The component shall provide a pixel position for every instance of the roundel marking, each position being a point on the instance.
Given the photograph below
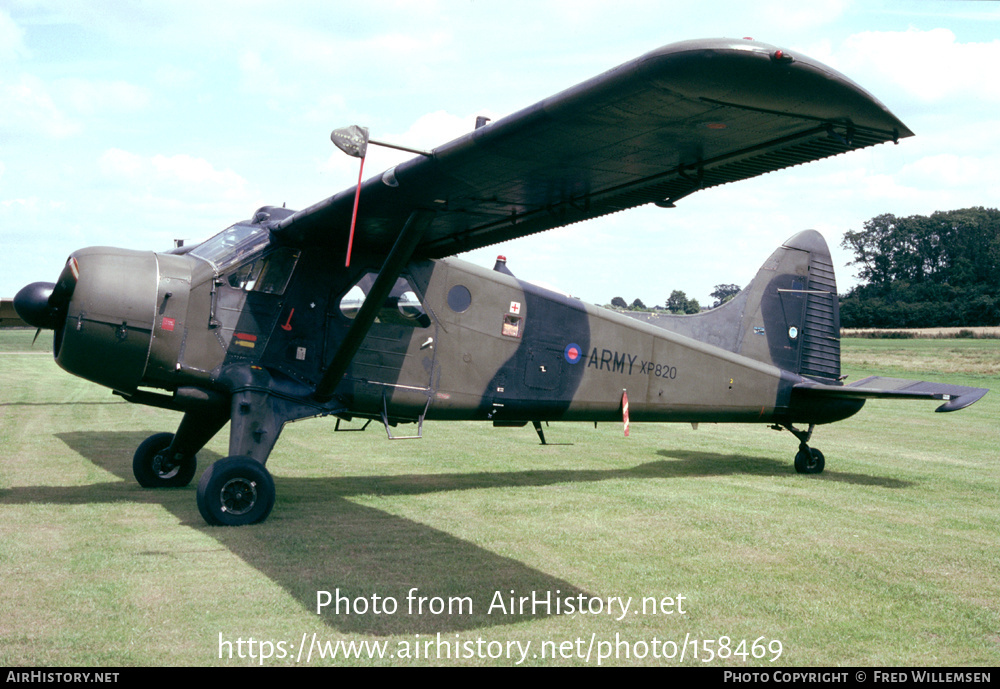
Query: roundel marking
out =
(573, 353)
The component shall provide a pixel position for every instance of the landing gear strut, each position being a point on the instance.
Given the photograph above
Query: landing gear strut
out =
(808, 460)
(237, 490)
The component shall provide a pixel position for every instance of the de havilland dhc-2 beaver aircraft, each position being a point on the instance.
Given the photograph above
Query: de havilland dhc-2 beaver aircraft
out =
(352, 308)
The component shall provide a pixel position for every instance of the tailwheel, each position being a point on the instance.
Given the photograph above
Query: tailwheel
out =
(154, 466)
(235, 491)
(809, 460)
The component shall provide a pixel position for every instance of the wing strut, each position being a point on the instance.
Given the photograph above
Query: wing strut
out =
(416, 224)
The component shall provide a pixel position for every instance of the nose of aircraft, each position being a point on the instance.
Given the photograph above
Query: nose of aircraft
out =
(33, 304)
(45, 304)
(102, 310)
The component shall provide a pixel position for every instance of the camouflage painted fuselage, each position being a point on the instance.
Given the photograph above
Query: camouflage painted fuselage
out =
(458, 341)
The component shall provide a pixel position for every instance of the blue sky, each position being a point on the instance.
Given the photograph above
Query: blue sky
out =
(131, 124)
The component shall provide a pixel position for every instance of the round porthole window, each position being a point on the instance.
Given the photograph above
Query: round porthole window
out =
(459, 298)
(793, 332)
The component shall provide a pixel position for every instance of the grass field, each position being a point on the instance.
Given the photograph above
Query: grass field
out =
(890, 557)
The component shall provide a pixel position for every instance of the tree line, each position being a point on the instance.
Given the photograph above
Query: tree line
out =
(941, 270)
(678, 302)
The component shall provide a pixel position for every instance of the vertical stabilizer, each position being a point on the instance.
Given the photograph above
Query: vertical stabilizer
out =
(787, 316)
(791, 315)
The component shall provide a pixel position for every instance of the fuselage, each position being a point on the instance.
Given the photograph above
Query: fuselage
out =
(452, 341)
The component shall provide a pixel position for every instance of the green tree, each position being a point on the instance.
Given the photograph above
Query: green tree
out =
(637, 305)
(925, 271)
(724, 293)
(619, 302)
(678, 302)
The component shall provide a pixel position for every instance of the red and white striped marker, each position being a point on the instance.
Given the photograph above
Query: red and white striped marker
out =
(625, 411)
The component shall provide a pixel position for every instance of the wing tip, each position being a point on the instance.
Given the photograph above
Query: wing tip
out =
(964, 400)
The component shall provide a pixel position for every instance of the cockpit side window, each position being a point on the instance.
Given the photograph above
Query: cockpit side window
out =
(269, 273)
(276, 270)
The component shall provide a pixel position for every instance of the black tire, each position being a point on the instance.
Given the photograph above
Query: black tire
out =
(809, 461)
(154, 468)
(235, 491)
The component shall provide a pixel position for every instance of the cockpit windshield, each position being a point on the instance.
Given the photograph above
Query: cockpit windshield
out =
(233, 245)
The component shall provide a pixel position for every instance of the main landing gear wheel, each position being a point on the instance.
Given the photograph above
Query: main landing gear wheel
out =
(809, 460)
(154, 467)
(235, 491)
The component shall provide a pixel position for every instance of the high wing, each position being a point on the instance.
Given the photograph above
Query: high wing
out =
(685, 117)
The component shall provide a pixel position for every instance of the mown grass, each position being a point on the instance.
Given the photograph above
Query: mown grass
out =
(23, 340)
(888, 558)
(971, 357)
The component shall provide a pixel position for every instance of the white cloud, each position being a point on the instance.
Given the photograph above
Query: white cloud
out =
(952, 170)
(929, 66)
(118, 163)
(11, 39)
(947, 181)
(175, 77)
(794, 15)
(88, 97)
(261, 78)
(29, 108)
(28, 203)
(198, 172)
(182, 176)
(436, 128)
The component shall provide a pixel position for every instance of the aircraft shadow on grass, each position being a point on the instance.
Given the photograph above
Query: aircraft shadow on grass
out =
(712, 464)
(323, 541)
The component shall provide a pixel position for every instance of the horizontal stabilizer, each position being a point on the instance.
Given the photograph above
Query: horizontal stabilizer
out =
(878, 387)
